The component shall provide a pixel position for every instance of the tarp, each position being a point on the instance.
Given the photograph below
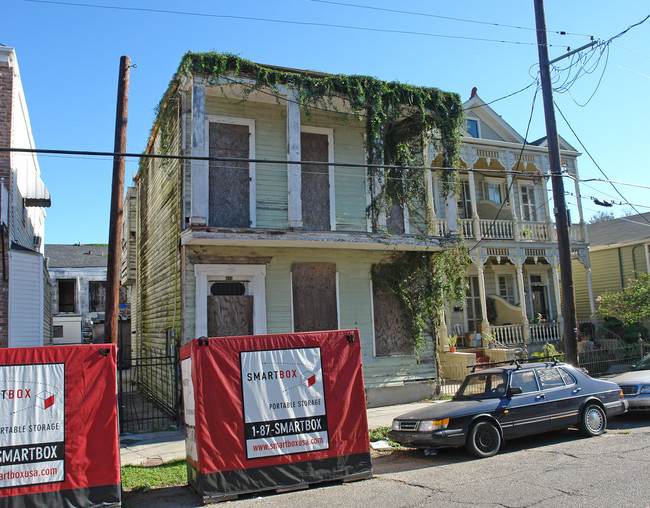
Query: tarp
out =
(59, 441)
(274, 412)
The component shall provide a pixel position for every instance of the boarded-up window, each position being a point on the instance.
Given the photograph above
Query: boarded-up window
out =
(315, 193)
(230, 316)
(66, 295)
(229, 181)
(314, 296)
(391, 330)
(97, 296)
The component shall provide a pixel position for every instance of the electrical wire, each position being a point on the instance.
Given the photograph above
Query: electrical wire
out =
(282, 21)
(589, 153)
(437, 16)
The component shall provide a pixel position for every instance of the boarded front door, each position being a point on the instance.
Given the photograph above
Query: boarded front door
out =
(230, 316)
(229, 181)
(314, 296)
(391, 331)
(315, 192)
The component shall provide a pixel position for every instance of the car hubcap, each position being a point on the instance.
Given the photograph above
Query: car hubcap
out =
(485, 439)
(594, 420)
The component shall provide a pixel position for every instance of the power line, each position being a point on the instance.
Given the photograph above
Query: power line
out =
(589, 154)
(282, 21)
(437, 16)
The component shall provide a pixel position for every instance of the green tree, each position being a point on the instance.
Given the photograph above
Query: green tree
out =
(631, 305)
(603, 216)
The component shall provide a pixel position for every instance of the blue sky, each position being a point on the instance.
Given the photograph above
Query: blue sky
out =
(69, 56)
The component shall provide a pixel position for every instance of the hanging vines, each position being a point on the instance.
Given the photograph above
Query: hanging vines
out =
(400, 122)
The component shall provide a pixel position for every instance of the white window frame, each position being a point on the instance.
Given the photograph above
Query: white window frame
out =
(531, 190)
(252, 189)
(330, 168)
(253, 275)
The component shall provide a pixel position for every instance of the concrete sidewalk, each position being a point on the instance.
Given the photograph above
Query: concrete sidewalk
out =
(158, 447)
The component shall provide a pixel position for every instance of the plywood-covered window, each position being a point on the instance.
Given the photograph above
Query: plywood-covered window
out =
(315, 182)
(314, 296)
(391, 329)
(229, 181)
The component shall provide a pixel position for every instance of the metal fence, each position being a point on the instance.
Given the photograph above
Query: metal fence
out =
(149, 394)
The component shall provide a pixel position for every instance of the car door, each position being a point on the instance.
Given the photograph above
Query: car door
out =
(563, 395)
(528, 411)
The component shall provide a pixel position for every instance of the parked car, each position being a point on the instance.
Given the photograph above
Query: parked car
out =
(635, 385)
(510, 401)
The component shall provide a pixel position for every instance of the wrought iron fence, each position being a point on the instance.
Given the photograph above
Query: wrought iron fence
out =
(149, 394)
(611, 361)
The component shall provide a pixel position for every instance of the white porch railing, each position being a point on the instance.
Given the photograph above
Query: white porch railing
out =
(545, 332)
(440, 227)
(496, 229)
(534, 231)
(468, 228)
(576, 234)
(509, 335)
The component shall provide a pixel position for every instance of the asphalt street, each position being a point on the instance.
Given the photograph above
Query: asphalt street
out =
(554, 469)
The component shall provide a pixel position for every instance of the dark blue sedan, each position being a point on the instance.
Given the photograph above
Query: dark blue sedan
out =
(510, 401)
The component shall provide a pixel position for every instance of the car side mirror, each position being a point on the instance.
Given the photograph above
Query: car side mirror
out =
(514, 390)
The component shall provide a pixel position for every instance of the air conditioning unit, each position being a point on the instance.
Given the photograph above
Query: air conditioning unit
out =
(37, 242)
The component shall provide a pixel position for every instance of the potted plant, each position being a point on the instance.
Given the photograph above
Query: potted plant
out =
(451, 342)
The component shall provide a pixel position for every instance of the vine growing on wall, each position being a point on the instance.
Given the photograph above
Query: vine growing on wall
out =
(400, 121)
(424, 281)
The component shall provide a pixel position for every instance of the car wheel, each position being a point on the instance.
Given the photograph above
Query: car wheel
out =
(594, 420)
(483, 439)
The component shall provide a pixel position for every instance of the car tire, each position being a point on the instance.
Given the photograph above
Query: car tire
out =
(593, 421)
(483, 439)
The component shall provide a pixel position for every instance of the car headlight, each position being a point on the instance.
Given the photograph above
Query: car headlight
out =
(645, 389)
(430, 425)
(396, 425)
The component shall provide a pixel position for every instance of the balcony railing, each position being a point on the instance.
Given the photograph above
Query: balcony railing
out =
(496, 229)
(505, 230)
(535, 231)
(508, 335)
(545, 332)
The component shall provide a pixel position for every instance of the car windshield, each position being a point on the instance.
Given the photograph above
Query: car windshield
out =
(644, 364)
(480, 386)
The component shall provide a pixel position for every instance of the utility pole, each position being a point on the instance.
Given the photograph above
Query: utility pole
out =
(559, 205)
(117, 205)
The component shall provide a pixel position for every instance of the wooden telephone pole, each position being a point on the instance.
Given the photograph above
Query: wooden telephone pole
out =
(570, 332)
(117, 206)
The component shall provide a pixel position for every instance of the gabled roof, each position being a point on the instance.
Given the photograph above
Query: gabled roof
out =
(564, 144)
(76, 256)
(624, 230)
(475, 107)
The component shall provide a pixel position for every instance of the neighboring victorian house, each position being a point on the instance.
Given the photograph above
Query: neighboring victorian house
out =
(619, 250)
(506, 219)
(255, 247)
(25, 318)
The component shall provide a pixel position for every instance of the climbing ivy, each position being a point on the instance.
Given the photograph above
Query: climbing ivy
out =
(400, 122)
(424, 281)
(400, 118)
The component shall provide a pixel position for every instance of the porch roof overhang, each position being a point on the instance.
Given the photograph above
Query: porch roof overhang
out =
(38, 195)
(307, 239)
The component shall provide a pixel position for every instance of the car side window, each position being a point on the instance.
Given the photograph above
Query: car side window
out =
(550, 378)
(526, 380)
(568, 378)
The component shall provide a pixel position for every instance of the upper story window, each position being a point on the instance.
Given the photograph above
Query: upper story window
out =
(472, 127)
(494, 192)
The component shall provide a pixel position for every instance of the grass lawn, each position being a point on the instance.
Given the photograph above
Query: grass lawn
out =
(168, 474)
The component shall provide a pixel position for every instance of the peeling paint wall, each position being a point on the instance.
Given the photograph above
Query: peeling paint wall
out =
(156, 298)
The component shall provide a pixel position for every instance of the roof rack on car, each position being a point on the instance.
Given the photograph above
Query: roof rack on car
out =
(491, 364)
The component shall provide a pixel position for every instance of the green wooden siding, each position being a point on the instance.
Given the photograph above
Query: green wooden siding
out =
(157, 289)
(355, 303)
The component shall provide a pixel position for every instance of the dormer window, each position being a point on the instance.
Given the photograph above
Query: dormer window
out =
(472, 128)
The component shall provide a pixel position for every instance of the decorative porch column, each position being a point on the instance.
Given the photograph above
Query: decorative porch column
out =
(452, 214)
(200, 190)
(590, 290)
(556, 287)
(512, 195)
(522, 300)
(294, 171)
(481, 258)
(475, 218)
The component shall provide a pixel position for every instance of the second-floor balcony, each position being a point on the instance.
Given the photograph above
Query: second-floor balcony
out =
(491, 229)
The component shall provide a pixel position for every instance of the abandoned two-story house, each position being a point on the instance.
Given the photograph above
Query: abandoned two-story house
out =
(303, 186)
(25, 317)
